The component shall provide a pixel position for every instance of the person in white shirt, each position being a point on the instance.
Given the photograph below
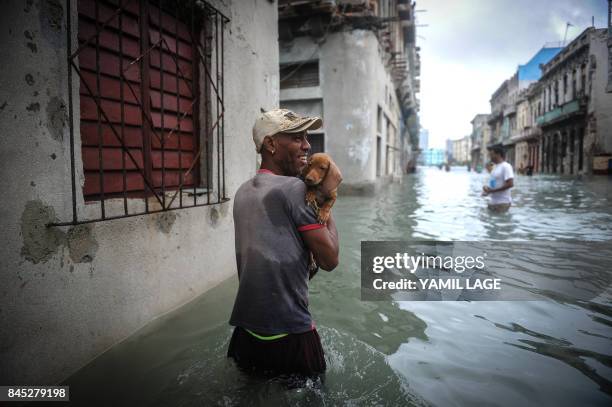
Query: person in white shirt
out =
(502, 180)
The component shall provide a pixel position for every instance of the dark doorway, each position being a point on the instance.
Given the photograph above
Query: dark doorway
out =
(378, 155)
(572, 147)
(580, 148)
(317, 142)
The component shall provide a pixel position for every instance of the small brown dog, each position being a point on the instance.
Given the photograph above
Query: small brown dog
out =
(322, 178)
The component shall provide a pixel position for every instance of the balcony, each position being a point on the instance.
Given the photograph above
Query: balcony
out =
(528, 133)
(574, 108)
(509, 110)
(495, 116)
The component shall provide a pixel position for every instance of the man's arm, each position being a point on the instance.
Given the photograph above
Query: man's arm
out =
(509, 183)
(323, 243)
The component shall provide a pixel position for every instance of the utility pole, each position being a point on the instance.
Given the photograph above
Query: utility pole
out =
(567, 26)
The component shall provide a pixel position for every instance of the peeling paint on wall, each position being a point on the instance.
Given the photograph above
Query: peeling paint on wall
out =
(81, 244)
(33, 107)
(51, 22)
(56, 118)
(360, 151)
(30, 43)
(218, 212)
(165, 221)
(54, 13)
(39, 241)
(214, 216)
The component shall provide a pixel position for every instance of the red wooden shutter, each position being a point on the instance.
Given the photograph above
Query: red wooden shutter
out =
(170, 95)
(173, 101)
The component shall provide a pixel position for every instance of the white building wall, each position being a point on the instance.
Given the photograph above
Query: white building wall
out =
(600, 106)
(68, 294)
(352, 86)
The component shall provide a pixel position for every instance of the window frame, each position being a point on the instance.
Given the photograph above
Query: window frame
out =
(212, 132)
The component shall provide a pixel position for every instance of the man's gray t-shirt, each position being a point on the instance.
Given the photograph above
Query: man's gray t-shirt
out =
(270, 211)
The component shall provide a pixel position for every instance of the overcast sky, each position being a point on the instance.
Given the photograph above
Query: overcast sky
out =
(471, 46)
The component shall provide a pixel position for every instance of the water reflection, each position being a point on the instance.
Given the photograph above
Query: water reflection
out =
(549, 353)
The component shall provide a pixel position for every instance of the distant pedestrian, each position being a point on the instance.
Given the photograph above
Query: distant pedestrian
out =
(502, 180)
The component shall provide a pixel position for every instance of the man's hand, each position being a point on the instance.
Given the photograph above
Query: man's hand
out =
(323, 243)
(508, 184)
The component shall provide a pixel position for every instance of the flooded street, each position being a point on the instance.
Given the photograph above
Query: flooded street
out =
(544, 353)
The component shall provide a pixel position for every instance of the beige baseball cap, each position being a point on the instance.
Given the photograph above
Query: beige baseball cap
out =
(281, 121)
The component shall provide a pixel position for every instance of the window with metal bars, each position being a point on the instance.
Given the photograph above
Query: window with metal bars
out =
(151, 104)
(300, 75)
(317, 142)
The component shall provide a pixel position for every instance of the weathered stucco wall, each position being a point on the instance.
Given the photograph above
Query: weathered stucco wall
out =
(355, 78)
(600, 108)
(68, 294)
(352, 86)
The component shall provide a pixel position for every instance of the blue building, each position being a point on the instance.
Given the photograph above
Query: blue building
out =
(433, 156)
(531, 72)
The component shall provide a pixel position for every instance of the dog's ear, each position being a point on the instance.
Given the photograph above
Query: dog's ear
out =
(333, 177)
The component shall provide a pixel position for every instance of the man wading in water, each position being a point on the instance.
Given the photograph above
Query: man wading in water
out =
(275, 232)
(502, 179)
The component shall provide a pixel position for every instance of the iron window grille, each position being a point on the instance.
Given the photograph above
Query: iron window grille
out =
(151, 107)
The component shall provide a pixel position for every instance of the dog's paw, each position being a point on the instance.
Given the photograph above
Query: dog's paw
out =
(311, 199)
(324, 215)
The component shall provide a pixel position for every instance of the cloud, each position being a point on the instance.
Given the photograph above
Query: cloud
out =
(471, 46)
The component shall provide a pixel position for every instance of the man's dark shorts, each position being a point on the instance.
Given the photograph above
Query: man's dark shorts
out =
(499, 208)
(294, 353)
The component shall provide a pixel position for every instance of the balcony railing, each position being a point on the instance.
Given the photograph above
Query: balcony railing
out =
(574, 107)
(526, 134)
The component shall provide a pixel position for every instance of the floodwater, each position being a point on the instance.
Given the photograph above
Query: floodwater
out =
(541, 353)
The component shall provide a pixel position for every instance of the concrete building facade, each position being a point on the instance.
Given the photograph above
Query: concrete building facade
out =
(559, 123)
(461, 151)
(71, 292)
(503, 114)
(355, 64)
(433, 157)
(575, 121)
(526, 139)
(478, 142)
